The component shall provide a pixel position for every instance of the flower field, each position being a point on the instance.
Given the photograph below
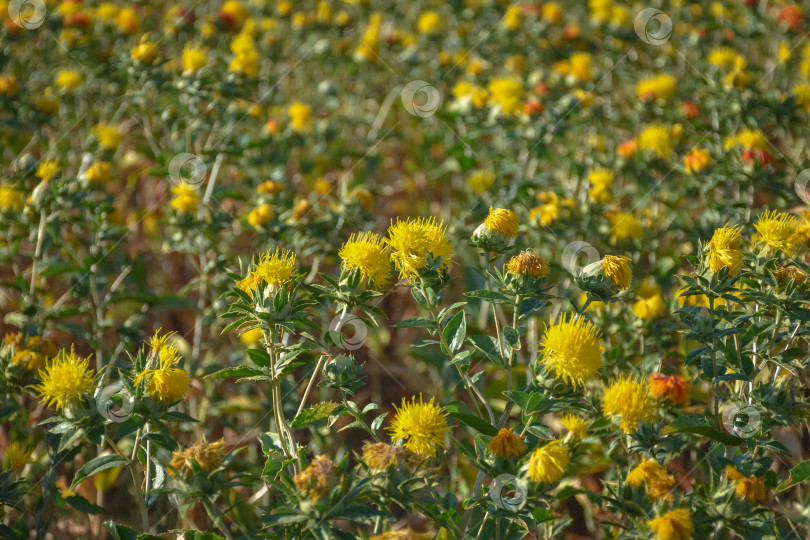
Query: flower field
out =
(377, 269)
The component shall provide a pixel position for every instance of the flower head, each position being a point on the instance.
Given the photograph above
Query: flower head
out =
(274, 269)
(421, 426)
(47, 169)
(674, 525)
(749, 488)
(656, 138)
(724, 249)
(68, 79)
(380, 457)
(506, 444)
(776, 229)
(368, 253)
(528, 263)
(194, 58)
(571, 349)
(672, 387)
(18, 456)
(412, 240)
(481, 180)
(185, 198)
(600, 179)
(207, 455)
(657, 87)
(318, 479)
(11, 198)
(547, 464)
(658, 481)
(65, 380)
(300, 117)
(624, 226)
(497, 231)
(506, 94)
(650, 304)
(261, 215)
(109, 136)
(630, 399)
(164, 382)
(576, 425)
(696, 160)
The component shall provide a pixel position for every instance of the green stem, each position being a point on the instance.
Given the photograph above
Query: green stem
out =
(216, 517)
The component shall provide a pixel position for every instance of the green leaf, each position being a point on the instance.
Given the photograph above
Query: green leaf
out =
(489, 296)
(416, 322)
(120, 532)
(696, 424)
(98, 464)
(799, 473)
(476, 423)
(317, 412)
(259, 356)
(83, 505)
(239, 371)
(489, 346)
(455, 331)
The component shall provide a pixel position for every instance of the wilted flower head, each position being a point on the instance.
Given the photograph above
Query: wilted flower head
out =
(658, 481)
(506, 444)
(380, 457)
(528, 263)
(629, 398)
(318, 479)
(750, 488)
(571, 349)
(421, 426)
(368, 253)
(673, 525)
(207, 455)
(548, 463)
(412, 240)
(65, 380)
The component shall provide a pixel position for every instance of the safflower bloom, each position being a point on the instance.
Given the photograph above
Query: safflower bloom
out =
(547, 464)
(576, 425)
(617, 269)
(749, 488)
(68, 79)
(185, 198)
(776, 229)
(421, 426)
(8, 84)
(600, 179)
(657, 87)
(300, 117)
(275, 268)
(672, 387)
(145, 51)
(724, 249)
(18, 456)
(481, 180)
(502, 221)
(368, 253)
(657, 139)
(260, 215)
(528, 263)
(65, 380)
(318, 479)
(47, 169)
(98, 172)
(659, 483)
(468, 94)
(506, 94)
(624, 226)
(207, 455)
(109, 136)
(412, 240)
(650, 304)
(571, 349)
(506, 444)
(630, 399)
(195, 57)
(164, 382)
(674, 525)
(429, 23)
(11, 198)
(696, 160)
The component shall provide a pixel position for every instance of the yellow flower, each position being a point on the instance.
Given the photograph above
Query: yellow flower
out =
(629, 398)
(47, 169)
(506, 444)
(658, 481)
(507, 95)
(98, 172)
(429, 23)
(405, 533)
(318, 479)
(776, 229)
(571, 349)
(235, 12)
(300, 117)
(724, 249)
(644, 470)
(696, 160)
(749, 488)
(649, 305)
(421, 426)
(195, 57)
(246, 60)
(528, 263)
(617, 269)
(657, 87)
(502, 221)
(600, 179)
(128, 21)
(145, 51)
(68, 79)
(547, 464)
(260, 215)
(207, 455)
(109, 136)
(656, 139)
(511, 19)
(185, 198)
(11, 199)
(274, 269)
(252, 336)
(17, 455)
(674, 525)
(624, 226)
(368, 253)
(576, 425)
(752, 139)
(164, 382)
(579, 67)
(481, 180)
(380, 457)
(724, 57)
(552, 12)
(65, 380)
(802, 93)
(412, 240)
(8, 84)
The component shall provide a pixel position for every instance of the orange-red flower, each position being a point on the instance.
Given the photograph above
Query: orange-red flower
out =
(672, 387)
